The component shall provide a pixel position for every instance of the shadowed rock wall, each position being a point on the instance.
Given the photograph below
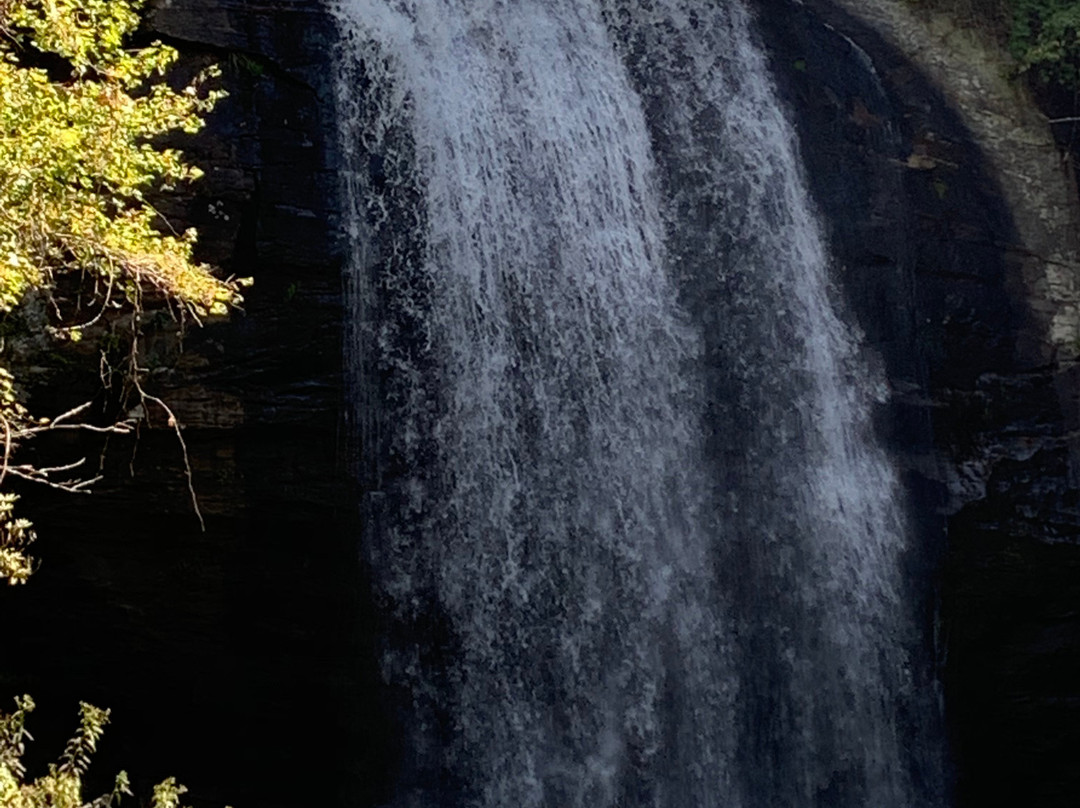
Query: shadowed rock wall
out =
(952, 220)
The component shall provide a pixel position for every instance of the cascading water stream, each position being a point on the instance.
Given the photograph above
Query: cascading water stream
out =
(632, 536)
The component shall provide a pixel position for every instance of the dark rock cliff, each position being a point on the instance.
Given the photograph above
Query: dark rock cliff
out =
(239, 659)
(232, 659)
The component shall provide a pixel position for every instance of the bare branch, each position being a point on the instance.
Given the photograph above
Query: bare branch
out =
(134, 373)
(47, 470)
(119, 428)
(175, 424)
(71, 413)
(41, 477)
(104, 306)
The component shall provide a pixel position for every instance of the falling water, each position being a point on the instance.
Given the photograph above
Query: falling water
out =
(632, 538)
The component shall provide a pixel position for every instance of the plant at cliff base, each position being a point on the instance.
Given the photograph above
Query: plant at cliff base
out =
(79, 112)
(61, 786)
(1045, 40)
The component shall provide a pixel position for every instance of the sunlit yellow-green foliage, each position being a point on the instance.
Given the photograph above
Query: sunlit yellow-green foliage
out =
(82, 117)
(61, 785)
(77, 154)
(15, 536)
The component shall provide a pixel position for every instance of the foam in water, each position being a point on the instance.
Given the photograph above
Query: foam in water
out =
(633, 538)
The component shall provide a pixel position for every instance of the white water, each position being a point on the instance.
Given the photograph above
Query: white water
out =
(635, 544)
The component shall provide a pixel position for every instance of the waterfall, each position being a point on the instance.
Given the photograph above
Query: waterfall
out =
(631, 536)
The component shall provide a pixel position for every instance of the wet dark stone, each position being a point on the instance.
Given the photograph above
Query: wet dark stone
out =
(925, 258)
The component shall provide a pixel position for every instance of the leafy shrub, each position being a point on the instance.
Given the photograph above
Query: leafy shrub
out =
(61, 786)
(15, 536)
(76, 154)
(81, 117)
(1045, 40)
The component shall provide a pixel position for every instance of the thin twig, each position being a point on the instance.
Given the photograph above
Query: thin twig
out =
(120, 428)
(7, 447)
(175, 424)
(104, 306)
(71, 413)
(47, 470)
(80, 487)
(57, 423)
(41, 477)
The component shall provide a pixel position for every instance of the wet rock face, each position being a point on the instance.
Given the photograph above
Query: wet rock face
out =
(270, 146)
(933, 266)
